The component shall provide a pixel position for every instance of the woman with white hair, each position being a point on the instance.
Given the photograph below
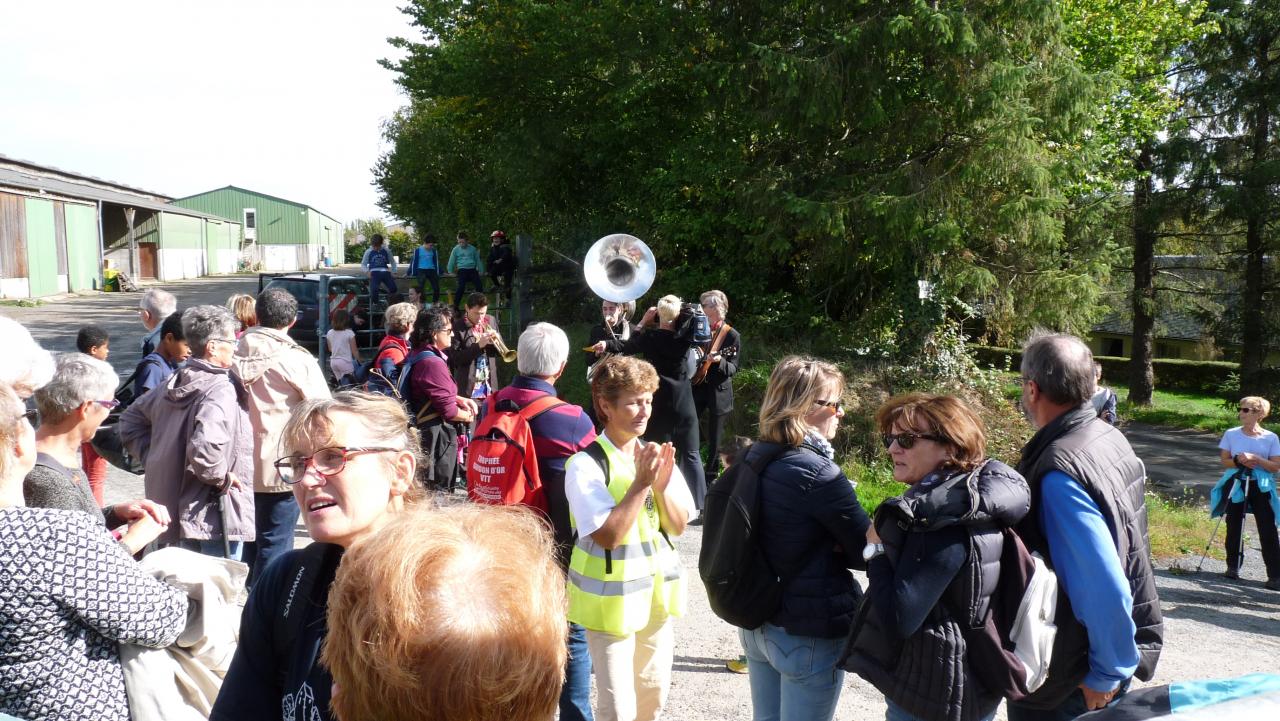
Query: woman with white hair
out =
(24, 366)
(675, 417)
(72, 406)
(194, 437)
(71, 595)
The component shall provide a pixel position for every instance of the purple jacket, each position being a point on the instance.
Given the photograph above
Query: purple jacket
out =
(430, 384)
(191, 434)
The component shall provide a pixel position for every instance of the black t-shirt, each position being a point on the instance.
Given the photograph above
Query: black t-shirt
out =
(261, 687)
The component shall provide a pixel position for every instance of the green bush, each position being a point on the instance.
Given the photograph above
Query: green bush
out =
(1172, 374)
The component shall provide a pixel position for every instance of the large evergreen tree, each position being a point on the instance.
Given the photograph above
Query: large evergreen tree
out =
(816, 160)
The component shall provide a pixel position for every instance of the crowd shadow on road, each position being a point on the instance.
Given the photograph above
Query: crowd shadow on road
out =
(1236, 605)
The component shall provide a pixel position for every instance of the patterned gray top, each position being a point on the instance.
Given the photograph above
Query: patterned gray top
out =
(68, 595)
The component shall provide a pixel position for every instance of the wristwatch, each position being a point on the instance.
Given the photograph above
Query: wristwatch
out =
(871, 550)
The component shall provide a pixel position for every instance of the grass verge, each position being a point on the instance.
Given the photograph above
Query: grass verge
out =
(1179, 528)
(1180, 410)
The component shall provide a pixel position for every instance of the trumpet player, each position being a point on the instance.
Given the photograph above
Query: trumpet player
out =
(473, 358)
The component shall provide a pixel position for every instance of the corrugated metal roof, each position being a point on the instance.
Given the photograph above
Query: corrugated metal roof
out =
(264, 195)
(30, 177)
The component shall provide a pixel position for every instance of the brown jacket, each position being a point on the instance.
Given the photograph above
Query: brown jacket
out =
(278, 374)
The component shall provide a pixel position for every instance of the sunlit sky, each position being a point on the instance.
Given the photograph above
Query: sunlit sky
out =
(177, 97)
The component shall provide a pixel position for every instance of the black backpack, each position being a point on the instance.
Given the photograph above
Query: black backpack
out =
(742, 586)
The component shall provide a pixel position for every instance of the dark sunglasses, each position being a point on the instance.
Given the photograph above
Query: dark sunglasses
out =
(907, 440)
(1246, 409)
(833, 405)
(31, 415)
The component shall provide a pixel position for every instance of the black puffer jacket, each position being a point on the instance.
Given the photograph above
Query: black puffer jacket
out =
(813, 529)
(943, 541)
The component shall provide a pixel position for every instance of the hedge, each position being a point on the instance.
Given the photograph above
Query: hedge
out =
(1173, 374)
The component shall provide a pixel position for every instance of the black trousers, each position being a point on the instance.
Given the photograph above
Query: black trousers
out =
(440, 446)
(1260, 504)
(715, 432)
(676, 420)
(432, 277)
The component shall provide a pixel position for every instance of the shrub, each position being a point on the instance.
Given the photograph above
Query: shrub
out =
(1172, 374)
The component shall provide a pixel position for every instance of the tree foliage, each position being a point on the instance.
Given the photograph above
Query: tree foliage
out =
(814, 160)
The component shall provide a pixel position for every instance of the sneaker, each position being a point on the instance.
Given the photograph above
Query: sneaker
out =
(1273, 584)
(737, 665)
(1233, 574)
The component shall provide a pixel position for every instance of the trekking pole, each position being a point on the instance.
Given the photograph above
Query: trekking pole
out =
(1230, 487)
(1248, 476)
(225, 510)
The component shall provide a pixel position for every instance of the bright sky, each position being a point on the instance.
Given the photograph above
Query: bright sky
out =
(177, 97)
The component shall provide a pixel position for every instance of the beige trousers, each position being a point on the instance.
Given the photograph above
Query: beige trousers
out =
(633, 673)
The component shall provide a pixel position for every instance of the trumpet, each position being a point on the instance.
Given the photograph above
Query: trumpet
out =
(508, 355)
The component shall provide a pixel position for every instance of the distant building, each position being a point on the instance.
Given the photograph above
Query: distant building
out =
(282, 235)
(57, 228)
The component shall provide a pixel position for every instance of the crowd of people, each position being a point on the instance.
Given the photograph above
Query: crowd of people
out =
(401, 608)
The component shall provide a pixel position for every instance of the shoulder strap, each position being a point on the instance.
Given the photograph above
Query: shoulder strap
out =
(542, 405)
(303, 577)
(597, 454)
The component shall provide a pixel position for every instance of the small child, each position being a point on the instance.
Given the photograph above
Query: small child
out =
(730, 451)
(344, 355)
(93, 340)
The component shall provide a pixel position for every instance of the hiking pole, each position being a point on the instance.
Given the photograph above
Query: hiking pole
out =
(1214, 535)
(1248, 476)
(225, 510)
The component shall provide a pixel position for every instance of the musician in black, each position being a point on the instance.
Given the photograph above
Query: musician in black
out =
(713, 383)
(674, 417)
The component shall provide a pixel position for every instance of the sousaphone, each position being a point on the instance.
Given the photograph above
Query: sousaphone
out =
(619, 268)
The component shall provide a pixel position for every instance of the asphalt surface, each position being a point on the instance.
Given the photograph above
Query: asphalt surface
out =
(1178, 461)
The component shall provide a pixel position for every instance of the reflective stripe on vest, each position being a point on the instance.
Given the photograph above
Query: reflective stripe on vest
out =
(615, 590)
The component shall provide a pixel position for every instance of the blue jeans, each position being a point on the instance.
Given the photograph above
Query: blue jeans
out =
(894, 712)
(793, 678)
(212, 547)
(466, 277)
(1071, 708)
(275, 516)
(380, 277)
(575, 695)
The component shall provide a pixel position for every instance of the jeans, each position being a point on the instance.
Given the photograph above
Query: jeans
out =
(467, 277)
(1071, 708)
(894, 712)
(425, 276)
(212, 547)
(575, 695)
(275, 516)
(380, 277)
(793, 678)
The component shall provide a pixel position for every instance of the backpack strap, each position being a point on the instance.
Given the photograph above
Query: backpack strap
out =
(303, 591)
(544, 404)
(596, 452)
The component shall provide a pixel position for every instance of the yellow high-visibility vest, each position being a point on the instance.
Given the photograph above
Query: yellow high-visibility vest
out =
(614, 591)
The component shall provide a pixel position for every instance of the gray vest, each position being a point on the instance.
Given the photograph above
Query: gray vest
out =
(1098, 457)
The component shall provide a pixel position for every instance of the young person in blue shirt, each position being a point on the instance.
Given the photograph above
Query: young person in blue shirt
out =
(425, 266)
(380, 264)
(466, 262)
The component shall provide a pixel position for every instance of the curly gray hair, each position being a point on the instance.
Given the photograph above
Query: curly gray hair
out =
(77, 379)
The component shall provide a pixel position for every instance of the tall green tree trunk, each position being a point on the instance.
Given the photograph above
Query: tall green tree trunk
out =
(1252, 332)
(1141, 377)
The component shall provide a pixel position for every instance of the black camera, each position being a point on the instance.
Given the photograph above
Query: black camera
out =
(692, 324)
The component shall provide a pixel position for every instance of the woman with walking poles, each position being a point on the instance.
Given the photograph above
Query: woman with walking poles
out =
(1252, 455)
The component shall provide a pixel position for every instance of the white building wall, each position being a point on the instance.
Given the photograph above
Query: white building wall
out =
(15, 288)
(180, 263)
(226, 260)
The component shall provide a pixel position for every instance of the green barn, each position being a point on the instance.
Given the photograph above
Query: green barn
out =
(58, 229)
(282, 235)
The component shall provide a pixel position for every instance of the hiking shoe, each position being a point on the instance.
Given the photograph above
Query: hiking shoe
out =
(1273, 584)
(737, 665)
(1232, 574)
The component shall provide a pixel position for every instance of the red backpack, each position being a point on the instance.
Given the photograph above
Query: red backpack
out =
(502, 468)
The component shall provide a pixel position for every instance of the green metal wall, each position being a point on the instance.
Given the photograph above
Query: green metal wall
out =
(278, 222)
(82, 246)
(183, 232)
(42, 254)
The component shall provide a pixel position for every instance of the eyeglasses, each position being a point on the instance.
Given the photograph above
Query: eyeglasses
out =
(32, 415)
(231, 341)
(327, 462)
(1246, 409)
(907, 440)
(113, 403)
(833, 405)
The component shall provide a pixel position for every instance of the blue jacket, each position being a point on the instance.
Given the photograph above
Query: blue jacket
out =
(813, 528)
(1260, 477)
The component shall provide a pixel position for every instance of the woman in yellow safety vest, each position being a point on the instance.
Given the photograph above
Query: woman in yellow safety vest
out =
(626, 500)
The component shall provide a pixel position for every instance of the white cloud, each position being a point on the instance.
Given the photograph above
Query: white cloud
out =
(178, 97)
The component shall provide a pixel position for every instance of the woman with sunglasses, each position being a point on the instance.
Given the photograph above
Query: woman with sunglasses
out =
(933, 560)
(351, 461)
(71, 409)
(1251, 454)
(812, 527)
(71, 595)
(434, 399)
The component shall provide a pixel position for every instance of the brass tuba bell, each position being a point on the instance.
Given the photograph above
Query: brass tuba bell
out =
(619, 268)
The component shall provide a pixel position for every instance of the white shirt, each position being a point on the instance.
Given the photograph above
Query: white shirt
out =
(588, 493)
(1235, 441)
